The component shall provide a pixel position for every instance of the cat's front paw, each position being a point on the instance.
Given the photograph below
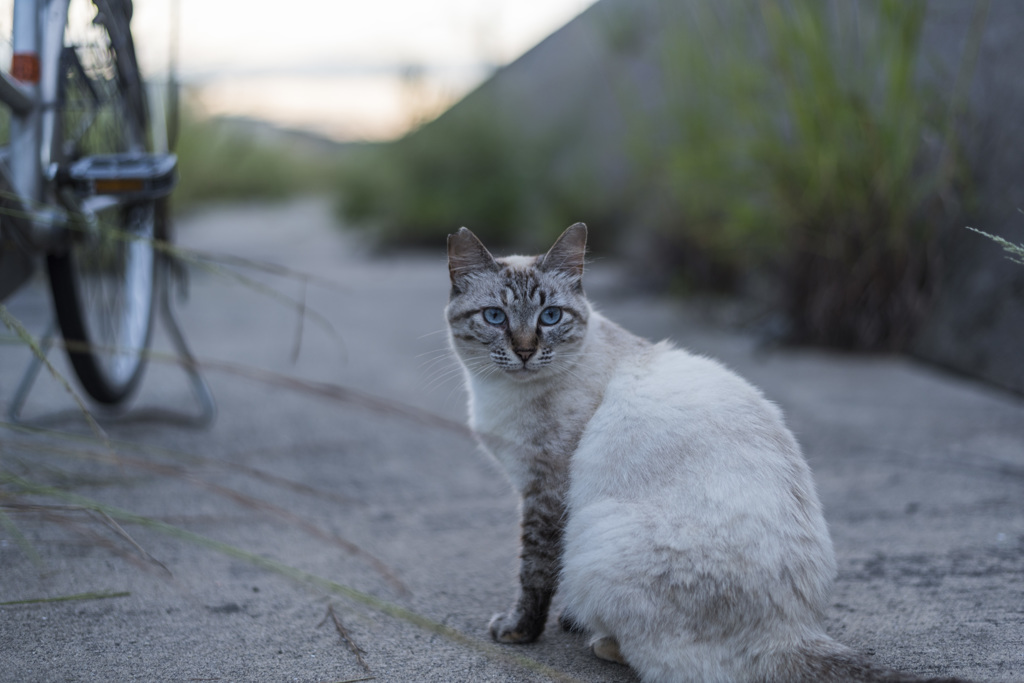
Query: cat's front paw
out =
(512, 627)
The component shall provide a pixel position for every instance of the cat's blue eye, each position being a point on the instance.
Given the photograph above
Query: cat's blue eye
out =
(550, 315)
(494, 316)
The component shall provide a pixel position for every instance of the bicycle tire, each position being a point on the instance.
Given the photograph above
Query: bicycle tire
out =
(104, 284)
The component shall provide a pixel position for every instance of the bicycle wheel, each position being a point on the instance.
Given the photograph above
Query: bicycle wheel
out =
(103, 285)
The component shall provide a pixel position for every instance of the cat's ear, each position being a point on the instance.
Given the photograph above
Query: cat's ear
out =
(566, 255)
(467, 255)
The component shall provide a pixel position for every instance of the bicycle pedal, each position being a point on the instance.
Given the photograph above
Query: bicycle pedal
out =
(130, 176)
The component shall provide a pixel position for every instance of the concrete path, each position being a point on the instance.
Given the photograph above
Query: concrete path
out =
(303, 505)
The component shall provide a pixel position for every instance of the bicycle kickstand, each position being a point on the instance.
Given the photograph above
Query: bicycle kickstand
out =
(31, 372)
(200, 389)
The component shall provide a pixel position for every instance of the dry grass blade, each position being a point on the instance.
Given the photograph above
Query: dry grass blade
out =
(1014, 252)
(22, 335)
(323, 389)
(275, 480)
(250, 502)
(271, 293)
(486, 648)
(60, 515)
(312, 529)
(68, 598)
(224, 265)
(346, 637)
(15, 326)
(19, 538)
(194, 256)
(198, 256)
(297, 347)
(176, 455)
(336, 392)
(342, 394)
(126, 536)
(355, 397)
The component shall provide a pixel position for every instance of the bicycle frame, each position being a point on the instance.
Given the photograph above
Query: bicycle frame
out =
(29, 90)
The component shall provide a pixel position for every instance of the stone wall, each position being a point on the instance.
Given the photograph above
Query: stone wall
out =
(976, 325)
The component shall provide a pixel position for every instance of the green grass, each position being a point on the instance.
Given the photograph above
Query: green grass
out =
(467, 169)
(419, 188)
(802, 141)
(225, 160)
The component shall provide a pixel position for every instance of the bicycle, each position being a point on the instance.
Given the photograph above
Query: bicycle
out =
(80, 186)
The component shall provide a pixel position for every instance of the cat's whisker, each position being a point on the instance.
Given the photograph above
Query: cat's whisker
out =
(440, 376)
(442, 365)
(434, 353)
(486, 369)
(438, 370)
(483, 371)
(450, 375)
(439, 363)
(443, 330)
(453, 370)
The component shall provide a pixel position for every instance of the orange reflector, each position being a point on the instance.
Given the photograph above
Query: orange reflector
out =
(118, 185)
(25, 67)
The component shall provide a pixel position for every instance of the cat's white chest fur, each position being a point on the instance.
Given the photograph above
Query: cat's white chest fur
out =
(523, 423)
(504, 427)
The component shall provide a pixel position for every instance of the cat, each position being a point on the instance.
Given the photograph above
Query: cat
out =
(662, 493)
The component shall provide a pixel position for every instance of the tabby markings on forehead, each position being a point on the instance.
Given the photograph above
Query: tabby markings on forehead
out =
(526, 286)
(512, 294)
(459, 317)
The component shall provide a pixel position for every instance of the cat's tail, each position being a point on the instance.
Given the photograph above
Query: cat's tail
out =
(827, 660)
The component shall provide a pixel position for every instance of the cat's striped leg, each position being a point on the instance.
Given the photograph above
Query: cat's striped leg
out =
(540, 564)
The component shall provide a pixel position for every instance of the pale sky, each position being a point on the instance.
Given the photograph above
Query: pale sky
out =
(335, 66)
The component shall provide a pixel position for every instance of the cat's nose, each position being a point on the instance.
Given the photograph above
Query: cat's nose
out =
(526, 354)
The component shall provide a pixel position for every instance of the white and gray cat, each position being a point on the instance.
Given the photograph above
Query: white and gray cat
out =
(661, 493)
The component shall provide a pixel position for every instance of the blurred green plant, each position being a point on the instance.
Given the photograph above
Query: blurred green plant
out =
(227, 159)
(467, 168)
(800, 137)
(431, 182)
